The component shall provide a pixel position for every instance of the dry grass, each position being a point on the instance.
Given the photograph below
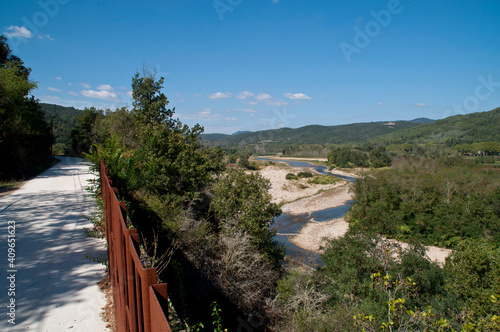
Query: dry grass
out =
(108, 312)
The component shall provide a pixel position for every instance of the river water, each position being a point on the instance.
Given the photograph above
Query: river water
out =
(289, 225)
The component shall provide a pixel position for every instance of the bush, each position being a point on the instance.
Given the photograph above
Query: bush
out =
(291, 176)
(474, 271)
(232, 159)
(245, 199)
(305, 175)
(324, 179)
(253, 166)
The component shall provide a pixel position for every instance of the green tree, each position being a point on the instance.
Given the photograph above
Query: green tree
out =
(25, 137)
(85, 132)
(474, 269)
(150, 104)
(245, 198)
(170, 160)
(243, 160)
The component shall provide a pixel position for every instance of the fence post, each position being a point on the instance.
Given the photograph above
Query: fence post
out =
(158, 295)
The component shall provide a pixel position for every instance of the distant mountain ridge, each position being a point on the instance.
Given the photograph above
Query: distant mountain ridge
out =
(63, 120)
(314, 134)
(467, 128)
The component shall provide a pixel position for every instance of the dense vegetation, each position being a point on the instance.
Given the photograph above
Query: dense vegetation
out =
(370, 282)
(359, 157)
(63, 121)
(25, 136)
(419, 136)
(437, 202)
(313, 134)
(468, 128)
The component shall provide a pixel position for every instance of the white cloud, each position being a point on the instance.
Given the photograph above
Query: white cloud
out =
(245, 94)
(267, 99)
(251, 102)
(85, 85)
(19, 32)
(49, 99)
(48, 37)
(207, 113)
(298, 96)
(53, 89)
(129, 94)
(420, 104)
(263, 97)
(58, 78)
(230, 119)
(105, 87)
(382, 104)
(219, 95)
(73, 93)
(101, 94)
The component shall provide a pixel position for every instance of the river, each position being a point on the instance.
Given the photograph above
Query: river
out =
(289, 225)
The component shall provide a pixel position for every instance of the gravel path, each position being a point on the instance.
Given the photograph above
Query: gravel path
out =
(55, 285)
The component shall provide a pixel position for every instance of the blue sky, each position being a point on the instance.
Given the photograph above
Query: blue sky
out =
(235, 65)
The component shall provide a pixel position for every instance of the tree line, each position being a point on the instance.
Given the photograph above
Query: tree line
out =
(25, 135)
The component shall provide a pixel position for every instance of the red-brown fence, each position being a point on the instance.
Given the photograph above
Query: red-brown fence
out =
(141, 303)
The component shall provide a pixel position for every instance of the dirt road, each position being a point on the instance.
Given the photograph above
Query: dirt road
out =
(47, 284)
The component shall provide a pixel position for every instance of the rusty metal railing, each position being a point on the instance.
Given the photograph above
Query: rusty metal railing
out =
(140, 302)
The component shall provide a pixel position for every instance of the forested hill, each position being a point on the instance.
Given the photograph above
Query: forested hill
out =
(64, 121)
(468, 128)
(315, 134)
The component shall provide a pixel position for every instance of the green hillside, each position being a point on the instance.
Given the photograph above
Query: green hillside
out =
(64, 121)
(313, 134)
(468, 128)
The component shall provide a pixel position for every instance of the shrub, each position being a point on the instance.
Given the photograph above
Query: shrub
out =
(291, 176)
(324, 179)
(305, 175)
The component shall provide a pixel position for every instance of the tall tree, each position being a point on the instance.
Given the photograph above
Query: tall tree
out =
(245, 199)
(150, 104)
(85, 132)
(25, 137)
(170, 160)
